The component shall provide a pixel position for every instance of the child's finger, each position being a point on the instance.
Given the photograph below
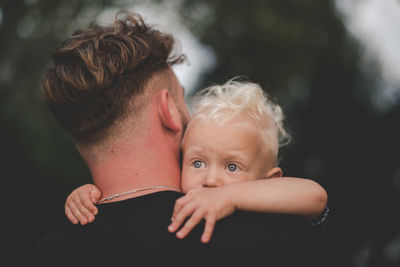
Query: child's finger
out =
(190, 224)
(180, 217)
(70, 216)
(83, 210)
(87, 202)
(95, 194)
(179, 204)
(208, 230)
(77, 214)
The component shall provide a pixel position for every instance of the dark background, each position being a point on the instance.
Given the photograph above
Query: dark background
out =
(298, 50)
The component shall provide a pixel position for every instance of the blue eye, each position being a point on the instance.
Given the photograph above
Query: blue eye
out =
(233, 167)
(198, 164)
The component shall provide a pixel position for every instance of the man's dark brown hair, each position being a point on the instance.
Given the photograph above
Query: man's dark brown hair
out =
(98, 70)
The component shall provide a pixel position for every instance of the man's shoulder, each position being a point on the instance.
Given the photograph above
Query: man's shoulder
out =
(138, 229)
(50, 248)
(257, 229)
(121, 230)
(258, 238)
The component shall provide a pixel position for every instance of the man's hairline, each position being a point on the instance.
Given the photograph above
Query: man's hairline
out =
(116, 128)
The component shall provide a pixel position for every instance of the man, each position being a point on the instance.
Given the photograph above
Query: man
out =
(112, 89)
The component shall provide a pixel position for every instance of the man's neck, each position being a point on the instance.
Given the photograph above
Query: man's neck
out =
(132, 166)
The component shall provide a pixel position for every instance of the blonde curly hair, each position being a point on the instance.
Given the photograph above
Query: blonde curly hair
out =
(223, 103)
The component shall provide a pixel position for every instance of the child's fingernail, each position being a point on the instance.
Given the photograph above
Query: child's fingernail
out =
(171, 228)
(179, 234)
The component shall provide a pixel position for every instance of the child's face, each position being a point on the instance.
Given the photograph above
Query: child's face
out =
(216, 155)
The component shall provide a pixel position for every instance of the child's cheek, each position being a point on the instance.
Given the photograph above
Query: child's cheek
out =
(184, 180)
(189, 180)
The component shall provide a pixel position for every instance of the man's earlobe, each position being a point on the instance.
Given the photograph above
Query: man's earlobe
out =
(274, 173)
(166, 112)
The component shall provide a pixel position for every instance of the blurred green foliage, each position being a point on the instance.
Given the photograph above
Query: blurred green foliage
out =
(297, 49)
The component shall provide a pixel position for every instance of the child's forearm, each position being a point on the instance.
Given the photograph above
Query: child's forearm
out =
(279, 195)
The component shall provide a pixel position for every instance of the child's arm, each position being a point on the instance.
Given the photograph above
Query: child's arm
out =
(275, 195)
(280, 195)
(79, 206)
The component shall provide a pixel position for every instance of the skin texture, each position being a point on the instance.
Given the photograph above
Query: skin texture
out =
(231, 167)
(215, 155)
(129, 158)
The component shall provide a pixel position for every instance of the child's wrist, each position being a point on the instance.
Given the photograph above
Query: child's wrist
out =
(229, 194)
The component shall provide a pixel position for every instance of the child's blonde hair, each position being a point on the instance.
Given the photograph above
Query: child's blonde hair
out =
(222, 103)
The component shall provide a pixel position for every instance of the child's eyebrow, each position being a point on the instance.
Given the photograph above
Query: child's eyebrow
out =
(232, 155)
(194, 149)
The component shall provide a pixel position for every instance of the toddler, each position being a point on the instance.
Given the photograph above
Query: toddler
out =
(230, 151)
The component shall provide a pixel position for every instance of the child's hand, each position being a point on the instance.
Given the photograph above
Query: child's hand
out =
(212, 204)
(79, 206)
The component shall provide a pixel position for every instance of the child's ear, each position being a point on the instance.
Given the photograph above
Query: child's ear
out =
(166, 111)
(274, 173)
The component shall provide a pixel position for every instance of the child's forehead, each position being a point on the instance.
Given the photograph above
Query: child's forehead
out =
(201, 123)
(200, 126)
(237, 140)
(219, 122)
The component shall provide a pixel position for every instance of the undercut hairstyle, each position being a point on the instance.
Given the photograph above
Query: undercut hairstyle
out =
(100, 74)
(223, 103)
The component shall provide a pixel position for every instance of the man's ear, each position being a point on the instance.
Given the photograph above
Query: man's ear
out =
(166, 111)
(274, 173)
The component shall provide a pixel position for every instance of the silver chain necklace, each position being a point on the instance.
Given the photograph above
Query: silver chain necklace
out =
(137, 190)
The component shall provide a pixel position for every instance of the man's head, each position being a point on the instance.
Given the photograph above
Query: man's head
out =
(102, 75)
(234, 135)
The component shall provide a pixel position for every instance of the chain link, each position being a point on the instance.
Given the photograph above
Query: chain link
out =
(137, 190)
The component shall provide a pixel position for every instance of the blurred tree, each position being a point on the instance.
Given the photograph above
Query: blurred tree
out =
(38, 160)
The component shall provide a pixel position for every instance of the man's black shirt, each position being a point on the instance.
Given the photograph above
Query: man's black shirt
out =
(133, 232)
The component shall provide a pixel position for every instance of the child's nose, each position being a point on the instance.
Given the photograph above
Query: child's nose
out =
(212, 178)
